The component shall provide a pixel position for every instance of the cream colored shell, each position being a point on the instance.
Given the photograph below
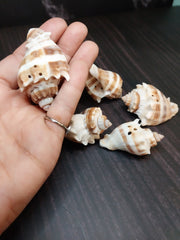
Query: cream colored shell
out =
(150, 104)
(130, 137)
(42, 68)
(87, 126)
(102, 83)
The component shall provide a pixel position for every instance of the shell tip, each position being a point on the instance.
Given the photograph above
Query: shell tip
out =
(104, 142)
(107, 123)
(158, 136)
(174, 108)
(126, 99)
(65, 75)
(30, 31)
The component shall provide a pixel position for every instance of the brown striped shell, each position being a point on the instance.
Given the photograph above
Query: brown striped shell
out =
(87, 126)
(150, 104)
(130, 137)
(42, 68)
(102, 83)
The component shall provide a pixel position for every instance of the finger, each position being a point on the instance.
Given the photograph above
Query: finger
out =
(68, 97)
(9, 66)
(72, 38)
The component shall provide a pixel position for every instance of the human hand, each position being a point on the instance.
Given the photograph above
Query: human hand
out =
(29, 145)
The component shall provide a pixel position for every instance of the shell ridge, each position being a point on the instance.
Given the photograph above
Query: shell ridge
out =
(127, 141)
(32, 46)
(115, 90)
(42, 60)
(133, 145)
(106, 81)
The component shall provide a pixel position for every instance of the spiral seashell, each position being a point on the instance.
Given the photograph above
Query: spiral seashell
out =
(130, 137)
(150, 104)
(42, 68)
(102, 83)
(87, 126)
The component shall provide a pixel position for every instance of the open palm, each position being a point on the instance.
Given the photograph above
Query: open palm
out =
(29, 146)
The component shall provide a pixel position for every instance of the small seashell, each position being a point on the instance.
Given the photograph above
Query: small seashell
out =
(130, 137)
(102, 83)
(42, 68)
(87, 126)
(150, 104)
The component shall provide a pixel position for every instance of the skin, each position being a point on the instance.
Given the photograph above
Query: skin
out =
(29, 145)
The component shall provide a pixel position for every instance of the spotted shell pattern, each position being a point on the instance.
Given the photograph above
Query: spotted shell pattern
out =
(87, 126)
(130, 137)
(102, 83)
(150, 104)
(42, 68)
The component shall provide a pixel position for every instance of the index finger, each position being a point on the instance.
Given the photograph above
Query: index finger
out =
(9, 65)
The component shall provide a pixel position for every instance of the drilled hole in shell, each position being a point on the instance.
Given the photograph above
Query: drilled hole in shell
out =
(35, 66)
(139, 121)
(29, 76)
(135, 129)
(129, 133)
(40, 74)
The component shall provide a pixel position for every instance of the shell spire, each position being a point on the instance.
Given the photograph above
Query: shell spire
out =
(87, 126)
(158, 137)
(150, 104)
(130, 137)
(95, 121)
(103, 83)
(42, 68)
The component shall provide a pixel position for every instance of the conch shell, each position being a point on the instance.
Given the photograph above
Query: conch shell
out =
(130, 137)
(87, 126)
(150, 104)
(42, 68)
(102, 83)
